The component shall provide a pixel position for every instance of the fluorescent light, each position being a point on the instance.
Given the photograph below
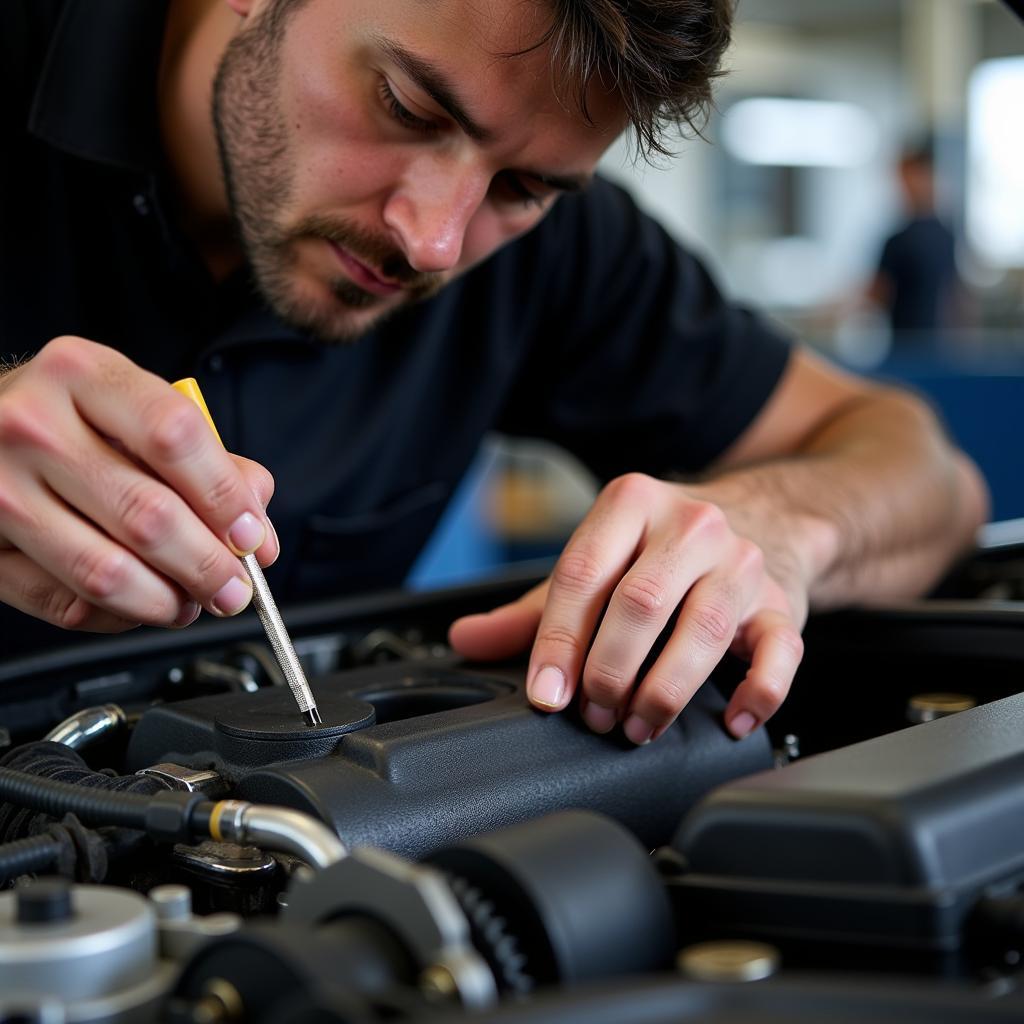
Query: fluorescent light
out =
(995, 161)
(798, 133)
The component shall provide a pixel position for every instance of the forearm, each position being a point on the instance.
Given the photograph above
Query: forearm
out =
(876, 503)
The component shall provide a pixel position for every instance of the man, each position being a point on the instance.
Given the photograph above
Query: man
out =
(917, 281)
(418, 176)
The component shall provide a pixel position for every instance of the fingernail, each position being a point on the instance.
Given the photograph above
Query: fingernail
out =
(247, 533)
(598, 718)
(548, 686)
(188, 614)
(637, 730)
(742, 723)
(232, 597)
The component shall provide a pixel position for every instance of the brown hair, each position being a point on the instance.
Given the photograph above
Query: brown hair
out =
(660, 56)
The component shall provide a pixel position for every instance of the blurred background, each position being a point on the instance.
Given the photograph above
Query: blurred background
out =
(862, 182)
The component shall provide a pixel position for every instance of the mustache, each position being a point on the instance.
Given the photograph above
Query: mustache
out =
(376, 252)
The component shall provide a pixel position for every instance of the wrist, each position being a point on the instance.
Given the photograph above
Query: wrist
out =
(801, 548)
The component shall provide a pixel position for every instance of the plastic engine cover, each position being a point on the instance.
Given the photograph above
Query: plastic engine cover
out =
(414, 756)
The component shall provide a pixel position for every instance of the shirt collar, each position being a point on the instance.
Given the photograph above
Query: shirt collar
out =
(96, 96)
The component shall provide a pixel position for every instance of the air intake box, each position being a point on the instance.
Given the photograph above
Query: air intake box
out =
(884, 847)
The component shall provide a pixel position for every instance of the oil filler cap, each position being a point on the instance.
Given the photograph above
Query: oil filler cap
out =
(45, 901)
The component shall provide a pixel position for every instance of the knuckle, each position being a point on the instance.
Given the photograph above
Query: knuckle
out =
(225, 492)
(207, 573)
(604, 683)
(23, 423)
(643, 597)
(265, 485)
(174, 429)
(68, 611)
(713, 625)
(99, 573)
(768, 691)
(578, 572)
(12, 508)
(790, 641)
(707, 521)
(66, 356)
(56, 604)
(559, 639)
(145, 514)
(750, 557)
(630, 488)
(664, 696)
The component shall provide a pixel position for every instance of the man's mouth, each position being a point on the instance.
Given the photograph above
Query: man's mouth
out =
(363, 275)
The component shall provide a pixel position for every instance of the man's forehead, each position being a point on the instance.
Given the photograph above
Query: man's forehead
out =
(497, 55)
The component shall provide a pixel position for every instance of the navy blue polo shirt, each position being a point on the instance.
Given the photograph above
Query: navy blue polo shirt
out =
(595, 330)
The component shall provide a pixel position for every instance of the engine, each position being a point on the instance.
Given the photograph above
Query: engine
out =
(176, 845)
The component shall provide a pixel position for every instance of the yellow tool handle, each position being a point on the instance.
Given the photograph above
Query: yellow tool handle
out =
(189, 387)
(263, 601)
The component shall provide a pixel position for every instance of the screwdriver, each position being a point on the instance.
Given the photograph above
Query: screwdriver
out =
(262, 599)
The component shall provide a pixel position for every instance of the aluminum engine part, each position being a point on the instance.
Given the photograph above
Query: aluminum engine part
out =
(79, 954)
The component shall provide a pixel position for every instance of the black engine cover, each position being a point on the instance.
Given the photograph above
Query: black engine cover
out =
(414, 756)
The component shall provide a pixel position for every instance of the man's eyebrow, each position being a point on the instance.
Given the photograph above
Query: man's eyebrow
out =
(437, 86)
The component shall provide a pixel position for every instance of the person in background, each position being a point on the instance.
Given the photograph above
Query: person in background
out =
(917, 283)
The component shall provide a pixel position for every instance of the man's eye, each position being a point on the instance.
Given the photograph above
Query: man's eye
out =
(511, 186)
(401, 114)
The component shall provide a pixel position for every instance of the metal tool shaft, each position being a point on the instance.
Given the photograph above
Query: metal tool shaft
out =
(266, 609)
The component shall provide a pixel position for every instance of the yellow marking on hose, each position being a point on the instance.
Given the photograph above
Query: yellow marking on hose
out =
(218, 810)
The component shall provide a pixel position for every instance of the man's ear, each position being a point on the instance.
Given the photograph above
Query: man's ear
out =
(240, 7)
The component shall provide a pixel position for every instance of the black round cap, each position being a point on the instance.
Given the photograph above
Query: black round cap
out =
(45, 901)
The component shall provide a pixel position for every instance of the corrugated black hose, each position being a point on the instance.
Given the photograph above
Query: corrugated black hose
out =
(164, 815)
(25, 856)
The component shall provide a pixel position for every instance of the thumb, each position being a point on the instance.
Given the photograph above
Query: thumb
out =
(501, 633)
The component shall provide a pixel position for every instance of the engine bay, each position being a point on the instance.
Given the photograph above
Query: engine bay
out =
(175, 846)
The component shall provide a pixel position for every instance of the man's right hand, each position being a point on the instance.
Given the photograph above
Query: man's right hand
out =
(118, 505)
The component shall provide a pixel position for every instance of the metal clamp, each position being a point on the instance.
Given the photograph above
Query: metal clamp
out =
(191, 780)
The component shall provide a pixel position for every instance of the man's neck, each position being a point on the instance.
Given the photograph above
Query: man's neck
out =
(194, 39)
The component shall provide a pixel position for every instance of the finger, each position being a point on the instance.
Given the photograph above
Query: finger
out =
(707, 623)
(162, 428)
(638, 612)
(583, 579)
(502, 632)
(261, 483)
(777, 651)
(149, 519)
(29, 588)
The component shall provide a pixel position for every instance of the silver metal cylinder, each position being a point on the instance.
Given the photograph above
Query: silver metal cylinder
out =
(87, 726)
(97, 964)
(292, 832)
(273, 625)
(278, 828)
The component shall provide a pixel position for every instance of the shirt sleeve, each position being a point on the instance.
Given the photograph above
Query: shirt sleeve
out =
(638, 362)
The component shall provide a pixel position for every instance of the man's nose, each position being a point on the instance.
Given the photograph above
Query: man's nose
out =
(430, 211)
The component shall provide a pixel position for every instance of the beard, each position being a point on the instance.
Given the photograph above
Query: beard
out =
(259, 176)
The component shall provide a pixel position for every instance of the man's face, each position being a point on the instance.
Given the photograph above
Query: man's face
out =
(375, 149)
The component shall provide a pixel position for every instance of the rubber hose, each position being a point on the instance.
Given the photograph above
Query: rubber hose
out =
(92, 806)
(58, 762)
(28, 855)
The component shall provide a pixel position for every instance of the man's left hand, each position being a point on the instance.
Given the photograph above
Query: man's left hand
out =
(646, 548)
